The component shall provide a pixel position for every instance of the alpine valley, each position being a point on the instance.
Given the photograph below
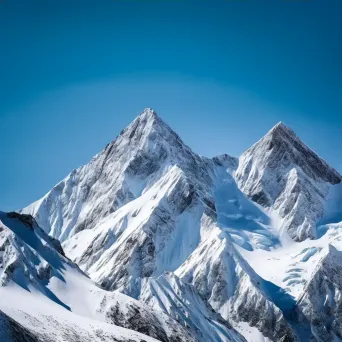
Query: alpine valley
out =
(152, 242)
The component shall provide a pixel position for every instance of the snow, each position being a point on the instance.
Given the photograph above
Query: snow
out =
(282, 173)
(250, 333)
(291, 266)
(214, 247)
(333, 206)
(56, 294)
(50, 320)
(244, 220)
(113, 233)
(182, 302)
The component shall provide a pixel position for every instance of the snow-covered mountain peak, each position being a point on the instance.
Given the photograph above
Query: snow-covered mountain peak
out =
(149, 113)
(145, 124)
(280, 127)
(141, 155)
(282, 172)
(281, 142)
(152, 219)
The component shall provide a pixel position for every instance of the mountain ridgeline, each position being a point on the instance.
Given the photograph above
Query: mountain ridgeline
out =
(151, 242)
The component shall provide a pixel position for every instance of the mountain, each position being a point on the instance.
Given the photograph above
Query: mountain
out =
(57, 293)
(221, 249)
(12, 331)
(122, 172)
(182, 302)
(320, 305)
(233, 289)
(282, 173)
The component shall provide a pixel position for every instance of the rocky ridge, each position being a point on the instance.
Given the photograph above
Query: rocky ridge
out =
(150, 218)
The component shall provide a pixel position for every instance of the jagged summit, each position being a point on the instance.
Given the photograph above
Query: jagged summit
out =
(149, 112)
(281, 126)
(282, 172)
(147, 115)
(152, 219)
(284, 135)
(147, 126)
(282, 131)
(282, 144)
(143, 152)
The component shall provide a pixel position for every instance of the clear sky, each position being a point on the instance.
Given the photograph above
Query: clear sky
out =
(221, 73)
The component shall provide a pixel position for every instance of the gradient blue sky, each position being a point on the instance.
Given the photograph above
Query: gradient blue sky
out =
(221, 73)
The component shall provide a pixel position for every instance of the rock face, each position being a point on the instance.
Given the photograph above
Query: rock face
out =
(183, 303)
(30, 260)
(12, 331)
(227, 282)
(126, 312)
(126, 168)
(149, 218)
(154, 233)
(320, 305)
(228, 162)
(27, 254)
(282, 173)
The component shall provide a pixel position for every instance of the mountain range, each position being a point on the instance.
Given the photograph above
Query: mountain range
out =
(151, 242)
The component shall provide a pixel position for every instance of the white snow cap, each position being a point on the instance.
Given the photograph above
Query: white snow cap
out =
(148, 112)
(281, 127)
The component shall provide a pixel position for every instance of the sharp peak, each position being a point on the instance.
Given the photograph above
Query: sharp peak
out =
(149, 115)
(148, 122)
(279, 131)
(148, 112)
(280, 126)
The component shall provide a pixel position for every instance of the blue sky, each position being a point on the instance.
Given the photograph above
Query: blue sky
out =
(221, 73)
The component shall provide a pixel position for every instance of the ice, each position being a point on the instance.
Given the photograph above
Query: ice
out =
(217, 247)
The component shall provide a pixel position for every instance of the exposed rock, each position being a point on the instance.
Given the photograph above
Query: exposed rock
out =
(233, 289)
(12, 331)
(320, 305)
(281, 172)
(150, 218)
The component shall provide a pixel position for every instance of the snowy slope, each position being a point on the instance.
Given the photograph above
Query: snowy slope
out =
(282, 173)
(33, 271)
(182, 302)
(12, 331)
(48, 322)
(168, 211)
(153, 233)
(320, 305)
(134, 161)
(233, 289)
(216, 247)
(245, 221)
(291, 266)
